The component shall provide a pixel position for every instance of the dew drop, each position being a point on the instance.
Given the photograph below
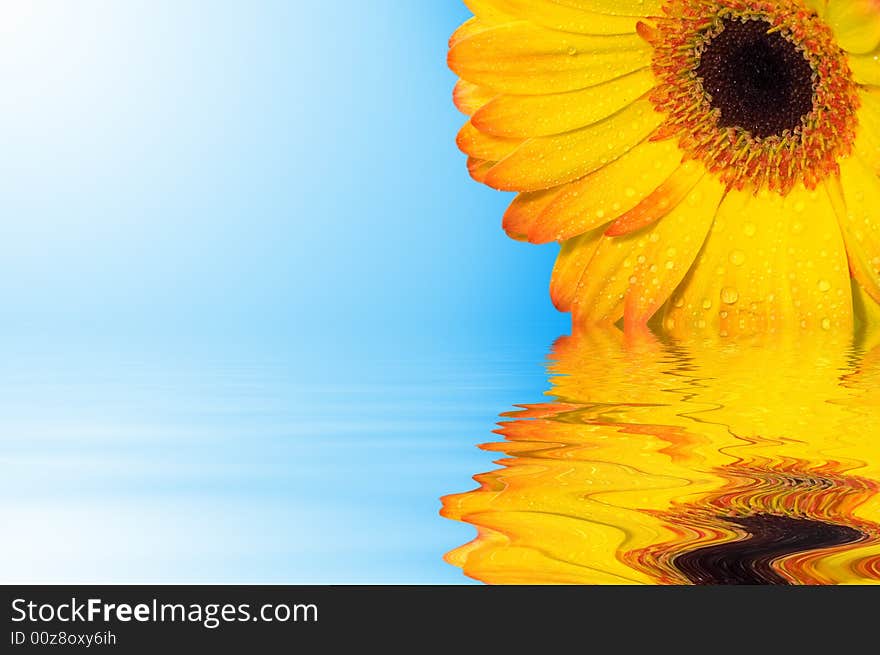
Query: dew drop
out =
(729, 295)
(824, 285)
(737, 257)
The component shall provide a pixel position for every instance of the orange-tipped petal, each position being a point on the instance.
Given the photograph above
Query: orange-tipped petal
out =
(543, 115)
(523, 58)
(489, 11)
(525, 210)
(468, 98)
(636, 273)
(544, 162)
(678, 240)
(661, 201)
(468, 28)
(574, 256)
(477, 144)
(606, 193)
(477, 168)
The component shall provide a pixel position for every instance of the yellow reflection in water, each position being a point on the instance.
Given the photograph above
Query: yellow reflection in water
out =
(709, 463)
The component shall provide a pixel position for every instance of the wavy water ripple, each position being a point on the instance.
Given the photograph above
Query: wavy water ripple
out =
(663, 463)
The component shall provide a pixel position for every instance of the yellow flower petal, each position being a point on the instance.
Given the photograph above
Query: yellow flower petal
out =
(867, 145)
(468, 98)
(569, 17)
(543, 115)
(856, 200)
(769, 262)
(477, 168)
(489, 12)
(819, 6)
(484, 146)
(606, 193)
(558, 97)
(856, 23)
(523, 58)
(639, 8)
(636, 273)
(668, 441)
(659, 202)
(545, 162)
(574, 256)
(468, 28)
(867, 313)
(865, 68)
(520, 217)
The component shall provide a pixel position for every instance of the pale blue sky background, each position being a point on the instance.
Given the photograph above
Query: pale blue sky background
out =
(255, 314)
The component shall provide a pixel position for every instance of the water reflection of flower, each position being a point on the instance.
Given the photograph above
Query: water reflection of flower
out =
(656, 461)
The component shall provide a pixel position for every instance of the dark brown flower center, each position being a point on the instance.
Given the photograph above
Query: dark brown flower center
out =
(758, 80)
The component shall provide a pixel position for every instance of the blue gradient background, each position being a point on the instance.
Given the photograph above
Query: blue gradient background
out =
(255, 314)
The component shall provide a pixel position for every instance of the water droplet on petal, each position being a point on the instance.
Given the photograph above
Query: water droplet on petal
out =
(737, 257)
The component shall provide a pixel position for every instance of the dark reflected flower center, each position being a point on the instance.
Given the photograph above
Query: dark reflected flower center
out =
(758, 80)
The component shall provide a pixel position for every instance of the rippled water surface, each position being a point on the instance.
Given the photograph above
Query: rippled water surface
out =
(127, 463)
(707, 463)
(645, 462)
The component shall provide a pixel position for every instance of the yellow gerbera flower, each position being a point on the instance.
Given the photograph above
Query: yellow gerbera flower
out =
(710, 163)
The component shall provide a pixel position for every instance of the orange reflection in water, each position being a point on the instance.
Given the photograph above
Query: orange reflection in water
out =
(659, 462)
